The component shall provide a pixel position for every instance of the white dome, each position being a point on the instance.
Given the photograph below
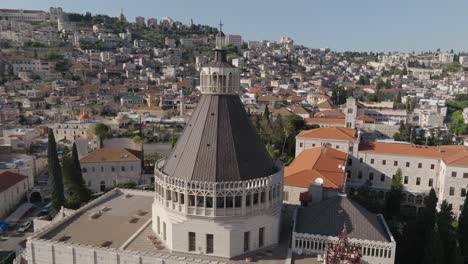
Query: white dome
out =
(318, 181)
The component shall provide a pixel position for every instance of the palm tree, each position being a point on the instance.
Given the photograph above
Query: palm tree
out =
(274, 153)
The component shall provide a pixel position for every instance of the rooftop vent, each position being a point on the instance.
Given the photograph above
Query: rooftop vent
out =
(95, 215)
(141, 212)
(64, 238)
(106, 244)
(133, 220)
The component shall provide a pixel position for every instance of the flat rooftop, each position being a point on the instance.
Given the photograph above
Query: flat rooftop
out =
(108, 223)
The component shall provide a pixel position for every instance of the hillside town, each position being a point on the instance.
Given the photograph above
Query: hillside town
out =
(200, 146)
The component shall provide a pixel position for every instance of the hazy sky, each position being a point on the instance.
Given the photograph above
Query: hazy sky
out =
(378, 25)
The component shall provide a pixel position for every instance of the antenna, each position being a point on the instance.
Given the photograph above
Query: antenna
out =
(220, 25)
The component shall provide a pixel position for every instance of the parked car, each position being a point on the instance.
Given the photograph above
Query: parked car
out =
(45, 210)
(24, 226)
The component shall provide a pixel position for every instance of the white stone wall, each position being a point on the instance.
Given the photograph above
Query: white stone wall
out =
(292, 194)
(458, 183)
(12, 196)
(228, 232)
(73, 131)
(425, 173)
(47, 252)
(180, 208)
(110, 173)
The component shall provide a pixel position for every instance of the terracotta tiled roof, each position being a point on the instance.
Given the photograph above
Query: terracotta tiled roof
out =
(330, 114)
(9, 179)
(317, 163)
(315, 120)
(338, 133)
(451, 154)
(295, 98)
(365, 118)
(268, 98)
(110, 155)
(297, 109)
(281, 111)
(319, 96)
(326, 105)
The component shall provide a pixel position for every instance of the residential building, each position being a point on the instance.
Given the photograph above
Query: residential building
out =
(140, 20)
(106, 167)
(74, 129)
(235, 40)
(130, 101)
(20, 138)
(21, 15)
(446, 57)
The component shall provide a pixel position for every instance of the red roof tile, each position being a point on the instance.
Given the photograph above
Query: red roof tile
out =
(9, 179)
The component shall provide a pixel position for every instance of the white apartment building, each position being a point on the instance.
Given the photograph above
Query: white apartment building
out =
(139, 20)
(235, 40)
(106, 167)
(19, 138)
(21, 15)
(71, 130)
(446, 57)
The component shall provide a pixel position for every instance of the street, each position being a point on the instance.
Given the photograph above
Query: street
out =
(11, 237)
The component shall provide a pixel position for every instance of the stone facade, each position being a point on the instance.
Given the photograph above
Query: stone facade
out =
(101, 176)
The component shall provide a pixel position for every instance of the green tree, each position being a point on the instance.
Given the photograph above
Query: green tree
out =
(73, 178)
(463, 230)
(55, 174)
(173, 140)
(102, 132)
(395, 196)
(433, 251)
(274, 153)
(429, 211)
(397, 98)
(447, 231)
(266, 113)
(51, 55)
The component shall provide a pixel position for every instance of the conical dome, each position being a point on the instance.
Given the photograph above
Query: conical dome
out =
(219, 143)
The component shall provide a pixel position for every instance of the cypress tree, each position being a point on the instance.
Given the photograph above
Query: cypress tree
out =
(463, 230)
(456, 257)
(394, 199)
(75, 185)
(447, 231)
(78, 181)
(55, 174)
(433, 252)
(429, 211)
(266, 113)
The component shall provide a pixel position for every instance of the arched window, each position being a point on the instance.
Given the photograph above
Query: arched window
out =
(214, 82)
(103, 186)
(202, 79)
(230, 83)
